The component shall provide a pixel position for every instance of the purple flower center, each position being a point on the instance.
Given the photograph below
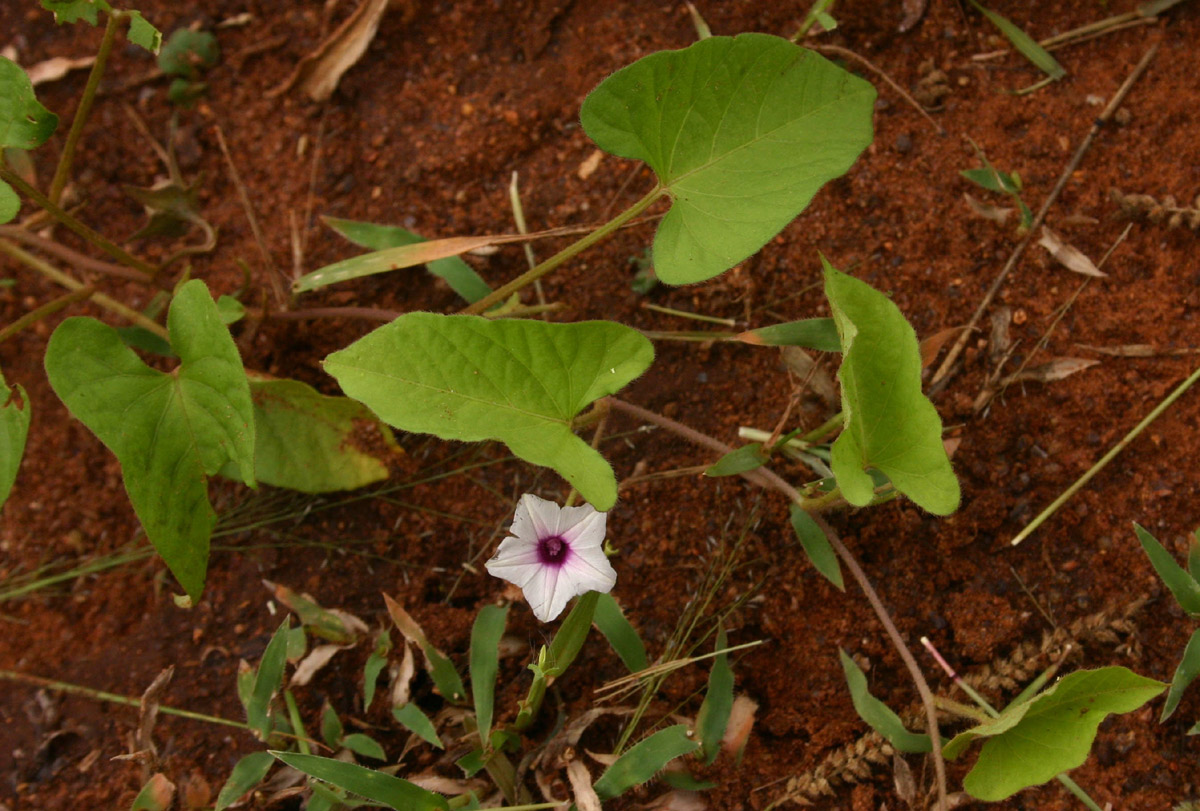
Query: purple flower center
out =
(553, 551)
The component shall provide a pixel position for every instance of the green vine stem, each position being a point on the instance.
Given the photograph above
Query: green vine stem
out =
(537, 272)
(765, 477)
(71, 283)
(63, 172)
(94, 237)
(113, 698)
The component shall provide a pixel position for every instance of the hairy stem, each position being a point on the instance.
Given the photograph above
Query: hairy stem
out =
(63, 172)
(94, 237)
(537, 272)
(767, 478)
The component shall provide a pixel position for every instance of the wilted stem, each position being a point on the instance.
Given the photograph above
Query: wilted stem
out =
(767, 478)
(537, 272)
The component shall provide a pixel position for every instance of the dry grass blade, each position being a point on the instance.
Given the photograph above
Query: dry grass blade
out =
(626, 684)
(1139, 351)
(318, 73)
(54, 69)
(1052, 370)
(1068, 255)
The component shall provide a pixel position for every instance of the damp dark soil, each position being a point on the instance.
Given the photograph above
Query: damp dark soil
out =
(426, 131)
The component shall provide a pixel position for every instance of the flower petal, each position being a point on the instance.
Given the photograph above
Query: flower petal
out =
(549, 593)
(515, 561)
(587, 570)
(585, 528)
(535, 518)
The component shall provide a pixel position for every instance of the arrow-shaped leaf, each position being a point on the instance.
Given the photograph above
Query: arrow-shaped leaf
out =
(168, 431)
(741, 131)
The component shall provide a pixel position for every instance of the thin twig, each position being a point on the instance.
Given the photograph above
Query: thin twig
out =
(92, 236)
(767, 478)
(71, 283)
(272, 271)
(846, 52)
(74, 257)
(1019, 251)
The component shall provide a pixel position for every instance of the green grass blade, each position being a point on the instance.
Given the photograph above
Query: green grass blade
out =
(816, 546)
(642, 761)
(1185, 674)
(411, 718)
(620, 633)
(485, 663)
(247, 774)
(1181, 584)
(812, 333)
(718, 702)
(879, 716)
(267, 681)
(1024, 43)
(393, 792)
(740, 460)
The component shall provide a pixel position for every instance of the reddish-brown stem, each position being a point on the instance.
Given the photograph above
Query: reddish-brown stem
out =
(765, 477)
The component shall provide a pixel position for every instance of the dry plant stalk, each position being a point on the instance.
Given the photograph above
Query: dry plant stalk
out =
(1146, 207)
(857, 761)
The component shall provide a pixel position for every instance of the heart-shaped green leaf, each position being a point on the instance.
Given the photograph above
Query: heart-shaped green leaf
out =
(1034, 741)
(741, 132)
(305, 441)
(890, 425)
(24, 122)
(168, 431)
(520, 382)
(14, 428)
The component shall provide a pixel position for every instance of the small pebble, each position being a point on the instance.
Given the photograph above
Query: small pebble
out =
(903, 144)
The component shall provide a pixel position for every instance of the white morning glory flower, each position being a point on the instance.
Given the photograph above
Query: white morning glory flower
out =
(555, 553)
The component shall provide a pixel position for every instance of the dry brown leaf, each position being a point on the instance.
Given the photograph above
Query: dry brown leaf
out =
(569, 736)
(902, 776)
(601, 758)
(317, 658)
(951, 444)
(581, 786)
(741, 721)
(446, 785)
(1069, 256)
(914, 10)
(988, 211)
(999, 341)
(148, 712)
(817, 380)
(402, 676)
(1056, 369)
(318, 73)
(589, 164)
(931, 346)
(54, 69)
(678, 800)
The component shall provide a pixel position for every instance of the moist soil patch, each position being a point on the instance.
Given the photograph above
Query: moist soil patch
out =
(450, 100)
